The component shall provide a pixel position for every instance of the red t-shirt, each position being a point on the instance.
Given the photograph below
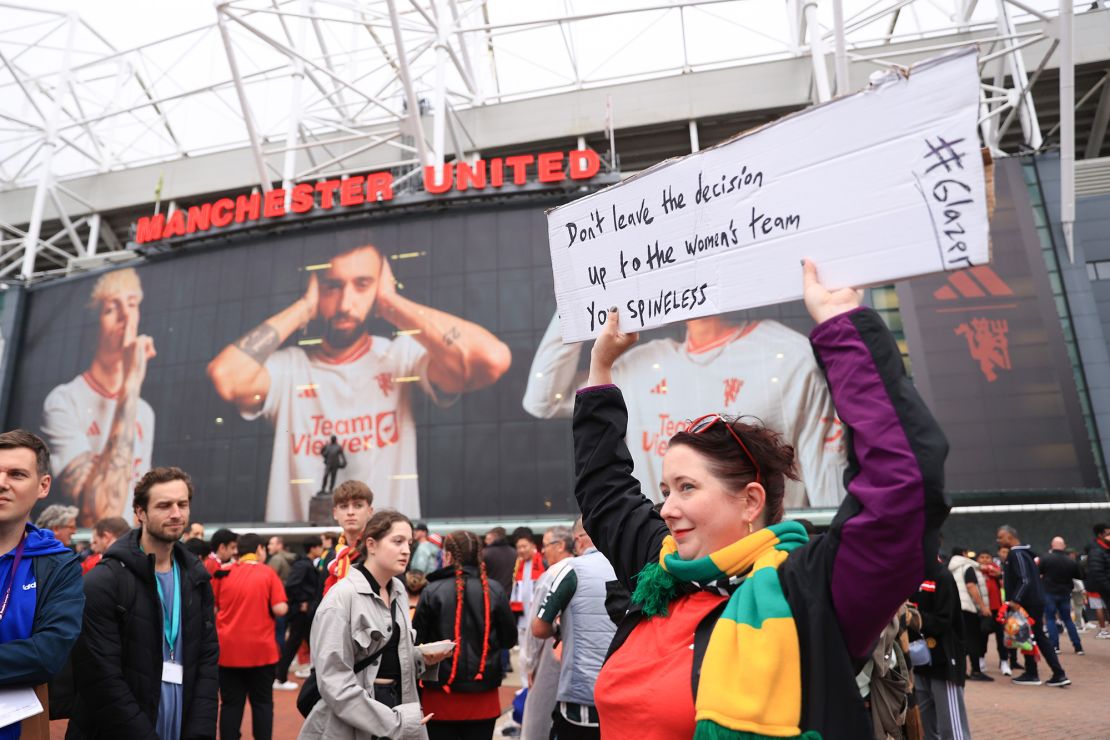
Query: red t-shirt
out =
(90, 563)
(649, 676)
(244, 622)
(212, 563)
(456, 707)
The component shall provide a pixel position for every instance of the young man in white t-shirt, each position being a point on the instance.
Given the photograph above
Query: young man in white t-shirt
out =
(758, 368)
(100, 430)
(351, 384)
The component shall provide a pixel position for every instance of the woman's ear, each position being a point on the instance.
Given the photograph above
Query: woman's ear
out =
(755, 504)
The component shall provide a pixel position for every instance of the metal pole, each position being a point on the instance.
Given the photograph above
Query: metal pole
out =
(94, 234)
(248, 119)
(439, 99)
(50, 133)
(695, 144)
(842, 81)
(406, 82)
(289, 165)
(817, 53)
(1019, 79)
(1067, 129)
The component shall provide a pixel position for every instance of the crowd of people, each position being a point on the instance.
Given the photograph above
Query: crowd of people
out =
(709, 614)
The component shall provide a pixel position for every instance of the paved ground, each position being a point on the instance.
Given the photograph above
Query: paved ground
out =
(998, 710)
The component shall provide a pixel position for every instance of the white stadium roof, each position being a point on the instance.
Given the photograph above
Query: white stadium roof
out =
(108, 107)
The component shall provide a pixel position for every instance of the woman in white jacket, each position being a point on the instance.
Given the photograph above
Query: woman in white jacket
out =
(364, 616)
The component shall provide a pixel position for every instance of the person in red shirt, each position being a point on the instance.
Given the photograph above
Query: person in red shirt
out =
(993, 576)
(225, 548)
(247, 598)
(105, 532)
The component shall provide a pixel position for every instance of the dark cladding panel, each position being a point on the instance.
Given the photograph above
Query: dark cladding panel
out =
(989, 356)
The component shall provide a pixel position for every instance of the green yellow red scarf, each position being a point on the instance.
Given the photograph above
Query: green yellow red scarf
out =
(751, 678)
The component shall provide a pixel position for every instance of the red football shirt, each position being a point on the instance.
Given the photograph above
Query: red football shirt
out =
(644, 690)
(243, 619)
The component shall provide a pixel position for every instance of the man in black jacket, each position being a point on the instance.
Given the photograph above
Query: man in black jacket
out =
(146, 663)
(302, 588)
(1058, 571)
(1023, 588)
(1098, 577)
(939, 688)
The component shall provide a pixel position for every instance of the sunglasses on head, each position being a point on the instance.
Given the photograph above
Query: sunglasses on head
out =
(702, 423)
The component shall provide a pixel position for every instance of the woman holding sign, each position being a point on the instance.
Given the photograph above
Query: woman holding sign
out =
(776, 621)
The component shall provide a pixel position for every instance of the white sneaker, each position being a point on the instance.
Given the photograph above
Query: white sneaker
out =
(1004, 666)
(286, 686)
(982, 665)
(1103, 635)
(303, 672)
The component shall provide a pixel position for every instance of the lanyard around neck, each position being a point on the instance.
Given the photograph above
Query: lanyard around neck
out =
(11, 577)
(171, 618)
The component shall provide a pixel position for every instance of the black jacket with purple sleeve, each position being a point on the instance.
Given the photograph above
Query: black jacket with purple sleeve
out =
(843, 587)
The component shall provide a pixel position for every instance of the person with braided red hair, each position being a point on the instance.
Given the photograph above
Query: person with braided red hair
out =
(461, 604)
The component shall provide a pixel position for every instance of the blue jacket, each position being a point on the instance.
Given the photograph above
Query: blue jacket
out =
(59, 603)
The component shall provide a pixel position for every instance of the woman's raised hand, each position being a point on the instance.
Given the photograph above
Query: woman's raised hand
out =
(822, 303)
(610, 344)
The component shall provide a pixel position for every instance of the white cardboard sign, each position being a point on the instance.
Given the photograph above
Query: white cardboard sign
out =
(874, 187)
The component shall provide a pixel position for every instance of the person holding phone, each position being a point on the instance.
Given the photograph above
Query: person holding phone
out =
(362, 614)
(462, 605)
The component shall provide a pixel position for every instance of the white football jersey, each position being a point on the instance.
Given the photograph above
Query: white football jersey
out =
(365, 403)
(763, 369)
(77, 418)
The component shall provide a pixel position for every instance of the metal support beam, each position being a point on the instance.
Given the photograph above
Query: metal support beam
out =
(695, 144)
(1098, 126)
(244, 105)
(292, 130)
(406, 82)
(1067, 128)
(841, 54)
(46, 175)
(817, 53)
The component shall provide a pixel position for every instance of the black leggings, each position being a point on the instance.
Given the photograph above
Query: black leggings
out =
(475, 729)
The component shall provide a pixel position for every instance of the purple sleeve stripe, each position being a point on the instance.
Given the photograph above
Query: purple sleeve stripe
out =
(591, 388)
(879, 558)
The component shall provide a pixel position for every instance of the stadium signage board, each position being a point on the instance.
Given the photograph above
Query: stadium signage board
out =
(881, 185)
(546, 168)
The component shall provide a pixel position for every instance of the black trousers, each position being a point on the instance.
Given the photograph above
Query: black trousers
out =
(329, 479)
(1049, 653)
(475, 729)
(236, 686)
(561, 729)
(299, 625)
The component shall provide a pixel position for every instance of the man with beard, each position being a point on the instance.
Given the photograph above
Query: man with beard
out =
(352, 385)
(146, 662)
(99, 429)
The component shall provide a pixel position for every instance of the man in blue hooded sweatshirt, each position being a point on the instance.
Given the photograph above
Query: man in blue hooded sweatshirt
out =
(41, 593)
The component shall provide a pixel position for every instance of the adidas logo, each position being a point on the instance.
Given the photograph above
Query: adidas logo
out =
(661, 388)
(306, 391)
(93, 430)
(974, 282)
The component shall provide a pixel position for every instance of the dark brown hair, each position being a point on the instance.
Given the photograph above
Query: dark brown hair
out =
(116, 525)
(21, 438)
(159, 475)
(379, 526)
(349, 490)
(728, 462)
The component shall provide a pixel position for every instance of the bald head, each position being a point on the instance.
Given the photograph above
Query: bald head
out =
(1058, 543)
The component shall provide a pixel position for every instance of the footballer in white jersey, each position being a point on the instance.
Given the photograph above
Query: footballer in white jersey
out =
(364, 401)
(351, 384)
(100, 431)
(759, 369)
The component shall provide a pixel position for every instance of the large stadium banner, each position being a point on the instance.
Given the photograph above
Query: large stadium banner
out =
(424, 344)
(990, 359)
